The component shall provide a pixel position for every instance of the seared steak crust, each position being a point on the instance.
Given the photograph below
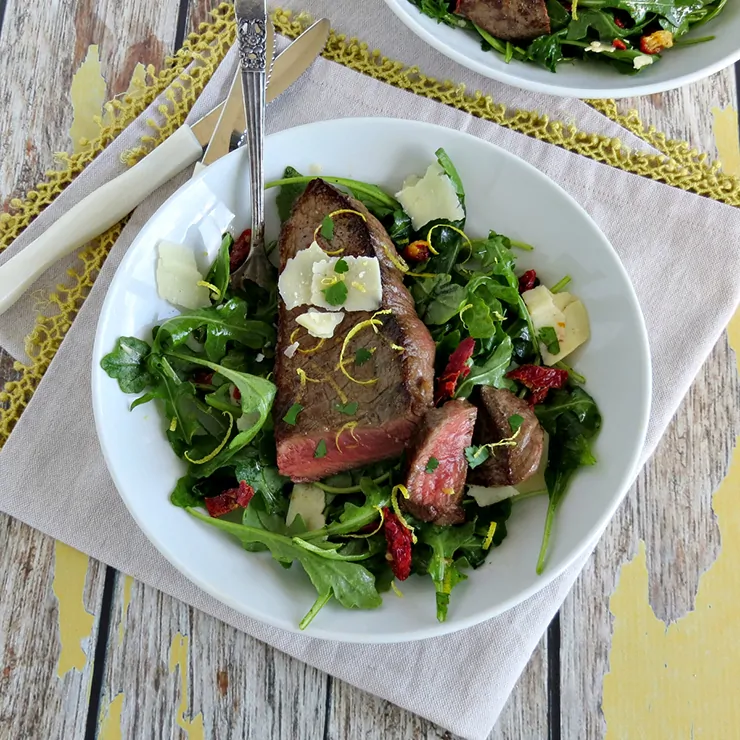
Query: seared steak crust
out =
(511, 20)
(506, 466)
(435, 489)
(390, 408)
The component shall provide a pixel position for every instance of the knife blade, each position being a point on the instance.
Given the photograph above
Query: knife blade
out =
(108, 204)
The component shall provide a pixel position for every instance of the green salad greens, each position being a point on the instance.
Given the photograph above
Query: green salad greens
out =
(210, 370)
(626, 34)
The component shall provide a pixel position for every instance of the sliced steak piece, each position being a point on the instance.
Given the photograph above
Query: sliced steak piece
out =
(444, 434)
(511, 20)
(506, 466)
(401, 367)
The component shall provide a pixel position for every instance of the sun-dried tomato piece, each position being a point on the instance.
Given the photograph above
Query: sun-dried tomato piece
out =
(619, 22)
(539, 379)
(457, 367)
(527, 281)
(236, 393)
(240, 249)
(203, 377)
(417, 251)
(656, 42)
(619, 44)
(230, 499)
(399, 545)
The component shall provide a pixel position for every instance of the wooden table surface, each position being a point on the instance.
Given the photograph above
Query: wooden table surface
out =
(645, 646)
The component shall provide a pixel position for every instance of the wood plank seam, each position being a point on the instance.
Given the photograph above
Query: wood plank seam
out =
(327, 707)
(100, 655)
(553, 678)
(182, 22)
(3, 4)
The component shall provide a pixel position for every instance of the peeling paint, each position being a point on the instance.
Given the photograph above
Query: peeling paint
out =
(88, 94)
(75, 622)
(109, 727)
(725, 128)
(179, 659)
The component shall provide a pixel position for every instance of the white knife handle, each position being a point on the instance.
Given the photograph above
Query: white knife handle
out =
(97, 212)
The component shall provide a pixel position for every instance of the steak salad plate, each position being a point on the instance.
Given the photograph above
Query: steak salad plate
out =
(584, 48)
(434, 411)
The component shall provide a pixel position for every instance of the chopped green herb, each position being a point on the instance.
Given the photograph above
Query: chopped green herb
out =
(292, 414)
(327, 228)
(320, 449)
(350, 409)
(549, 338)
(560, 284)
(362, 356)
(341, 266)
(476, 455)
(336, 294)
(515, 421)
(432, 465)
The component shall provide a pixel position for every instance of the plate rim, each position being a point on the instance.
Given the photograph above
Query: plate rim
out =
(437, 629)
(594, 93)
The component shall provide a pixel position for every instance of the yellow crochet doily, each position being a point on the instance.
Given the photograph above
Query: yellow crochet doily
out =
(184, 77)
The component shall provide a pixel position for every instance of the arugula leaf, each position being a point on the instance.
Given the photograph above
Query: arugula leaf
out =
(289, 194)
(440, 11)
(436, 299)
(400, 229)
(602, 23)
(336, 294)
(223, 323)
(490, 373)
(559, 16)
(352, 585)
(183, 495)
(320, 450)
(549, 338)
(362, 356)
(572, 420)
(446, 164)
(547, 51)
(349, 409)
(291, 416)
(220, 271)
(327, 228)
(266, 481)
(432, 465)
(443, 568)
(127, 364)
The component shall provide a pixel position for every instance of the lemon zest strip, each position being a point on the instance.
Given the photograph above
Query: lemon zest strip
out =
(337, 213)
(218, 449)
(304, 378)
(446, 226)
(489, 535)
(216, 292)
(173, 424)
(396, 590)
(350, 426)
(369, 534)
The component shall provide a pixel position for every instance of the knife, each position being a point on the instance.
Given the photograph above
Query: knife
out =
(110, 203)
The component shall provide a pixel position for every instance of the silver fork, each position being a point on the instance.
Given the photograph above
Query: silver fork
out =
(252, 34)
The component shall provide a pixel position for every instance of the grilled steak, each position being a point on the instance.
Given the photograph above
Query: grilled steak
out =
(511, 20)
(396, 382)
(436, 488)
(506, 466)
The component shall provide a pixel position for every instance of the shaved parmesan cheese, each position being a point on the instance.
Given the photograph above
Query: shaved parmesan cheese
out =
(364, 286)
(430, 197)
(307, 501)
(319, 324)
(543, 310)
(178, 276)
(291, 349)
(644, 60)
(488, 496)
(294, 283)
(599, 47)
(561, 300)
(577, 331)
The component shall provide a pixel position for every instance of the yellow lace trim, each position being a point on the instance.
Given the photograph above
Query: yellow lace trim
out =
(184, 76)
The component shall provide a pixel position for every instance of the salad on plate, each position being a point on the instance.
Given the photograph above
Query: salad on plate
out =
(378, 412)
(629, 35)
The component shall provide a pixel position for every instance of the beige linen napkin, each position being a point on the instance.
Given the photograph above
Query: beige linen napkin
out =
(683, 256)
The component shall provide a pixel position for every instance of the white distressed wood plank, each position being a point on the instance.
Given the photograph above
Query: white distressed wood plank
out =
(235, 687)
(670, 506)
(41, 694)
(41, 47)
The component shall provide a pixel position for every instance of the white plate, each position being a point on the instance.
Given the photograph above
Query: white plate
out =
(677, 67)
(503, 193)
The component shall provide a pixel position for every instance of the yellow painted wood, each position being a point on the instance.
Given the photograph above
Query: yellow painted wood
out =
(88, 94)
(75, 622)
(179, 659)
(680, 680)
(110, 719)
